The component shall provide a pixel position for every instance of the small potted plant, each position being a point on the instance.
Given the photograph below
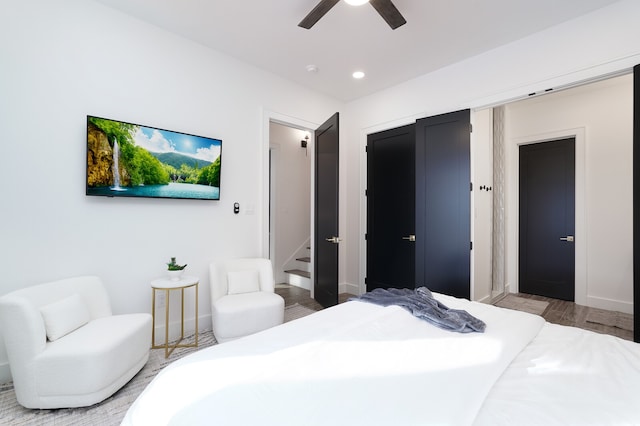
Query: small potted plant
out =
(175, 270)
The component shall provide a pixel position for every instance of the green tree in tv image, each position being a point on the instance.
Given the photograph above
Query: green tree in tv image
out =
(210, 175)
(143, 167)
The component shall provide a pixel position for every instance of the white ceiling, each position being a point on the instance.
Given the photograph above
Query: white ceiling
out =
(438, 33)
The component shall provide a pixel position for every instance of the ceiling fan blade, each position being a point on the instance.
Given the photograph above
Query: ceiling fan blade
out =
(389, 13)
(318, 12)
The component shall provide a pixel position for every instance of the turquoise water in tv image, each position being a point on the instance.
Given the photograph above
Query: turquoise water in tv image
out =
(172, 190)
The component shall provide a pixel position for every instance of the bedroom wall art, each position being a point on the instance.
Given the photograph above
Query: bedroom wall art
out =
(131, 160)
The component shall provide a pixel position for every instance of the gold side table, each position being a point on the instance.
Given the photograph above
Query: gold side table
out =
(167, 285)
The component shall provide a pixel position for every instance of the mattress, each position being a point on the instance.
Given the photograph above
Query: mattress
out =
(358, 363)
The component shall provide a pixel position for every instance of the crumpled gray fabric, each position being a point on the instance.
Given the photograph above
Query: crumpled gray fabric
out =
(421, 304)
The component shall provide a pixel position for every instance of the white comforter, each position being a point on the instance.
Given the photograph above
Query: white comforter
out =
(355, 363)
(361, 364)
(568, 376)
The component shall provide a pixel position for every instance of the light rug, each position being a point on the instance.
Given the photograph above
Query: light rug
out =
(612, 319)
(111, 411)
(518, 303)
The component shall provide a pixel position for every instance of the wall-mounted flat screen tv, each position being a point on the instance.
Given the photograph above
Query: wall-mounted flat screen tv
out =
(130, 160)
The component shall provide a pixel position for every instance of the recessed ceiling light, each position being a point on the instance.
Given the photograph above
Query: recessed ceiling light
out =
(358, 75)
(312, 68)
(356, 2)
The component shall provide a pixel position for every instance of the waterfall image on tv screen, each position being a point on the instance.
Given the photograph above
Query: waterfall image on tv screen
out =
(130, 160)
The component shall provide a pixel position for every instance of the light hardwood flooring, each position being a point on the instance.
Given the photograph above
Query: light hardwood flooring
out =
(568, 313)
(293, 295)
(558, 311)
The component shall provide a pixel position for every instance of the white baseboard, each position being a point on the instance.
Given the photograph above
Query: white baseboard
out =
(485, 299)
(204, 324)
(348, 288)
(610, 305)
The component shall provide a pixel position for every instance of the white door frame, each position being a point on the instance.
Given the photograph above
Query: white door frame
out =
(580, 206)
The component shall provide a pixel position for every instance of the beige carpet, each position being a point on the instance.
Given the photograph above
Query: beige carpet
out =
(112, 410)
(518, 303)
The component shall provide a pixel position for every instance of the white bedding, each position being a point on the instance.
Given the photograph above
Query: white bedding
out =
(568, 376)
(358, 363)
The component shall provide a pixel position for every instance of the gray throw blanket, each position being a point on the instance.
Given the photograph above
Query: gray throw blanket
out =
(421, 304)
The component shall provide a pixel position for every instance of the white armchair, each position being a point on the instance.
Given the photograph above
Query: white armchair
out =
(243, 300)
(65, 348)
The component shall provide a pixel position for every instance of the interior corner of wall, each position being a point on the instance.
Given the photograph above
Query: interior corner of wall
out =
(349, 288)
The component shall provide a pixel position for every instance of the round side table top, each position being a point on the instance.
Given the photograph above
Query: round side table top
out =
(184, 281)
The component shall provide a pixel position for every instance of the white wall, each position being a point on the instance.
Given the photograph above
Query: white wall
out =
(601, 114)
(63, 60)
(602, 42)
(482, 204)
(290, 195)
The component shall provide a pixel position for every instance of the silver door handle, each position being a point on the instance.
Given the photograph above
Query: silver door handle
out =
(410, 238)
(334, 240)
(568, 238)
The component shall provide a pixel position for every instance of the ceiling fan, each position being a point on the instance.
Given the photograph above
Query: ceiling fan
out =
(385, 8)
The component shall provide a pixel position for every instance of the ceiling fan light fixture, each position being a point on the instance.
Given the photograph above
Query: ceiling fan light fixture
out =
(356, 2)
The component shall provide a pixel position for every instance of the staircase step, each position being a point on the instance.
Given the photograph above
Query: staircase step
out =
(299, 272)
(304, 259)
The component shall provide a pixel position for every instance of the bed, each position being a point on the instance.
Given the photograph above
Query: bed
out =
(362, 364)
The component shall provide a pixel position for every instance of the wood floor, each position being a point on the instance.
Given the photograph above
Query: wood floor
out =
(568, 313)
(558, 311)
(293, 295)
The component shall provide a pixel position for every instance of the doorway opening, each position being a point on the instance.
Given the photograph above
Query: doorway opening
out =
(290, 204)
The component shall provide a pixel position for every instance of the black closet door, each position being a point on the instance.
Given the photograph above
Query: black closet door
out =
(391, 209)
(443, 206)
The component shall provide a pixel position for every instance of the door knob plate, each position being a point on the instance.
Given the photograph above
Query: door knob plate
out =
(334, 240)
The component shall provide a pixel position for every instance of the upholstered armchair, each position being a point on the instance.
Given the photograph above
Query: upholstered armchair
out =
(243, 300)
(65, 348)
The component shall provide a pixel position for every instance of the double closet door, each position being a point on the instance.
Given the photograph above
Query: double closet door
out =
(418, 206)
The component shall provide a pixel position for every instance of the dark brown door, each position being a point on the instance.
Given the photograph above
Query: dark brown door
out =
(443, 203)
(326, 213)
(547, 219)
(391, 209)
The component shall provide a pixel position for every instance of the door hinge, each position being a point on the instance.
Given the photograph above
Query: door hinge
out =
(366, 148)
(366, 236)
(366, 281)
(470, 245)
(366, 192)
(470, 186)
(470, 128)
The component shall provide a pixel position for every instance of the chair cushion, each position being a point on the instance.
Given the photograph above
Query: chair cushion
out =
(247, 281)
(94, 356)
(242, 314)
(64, 316)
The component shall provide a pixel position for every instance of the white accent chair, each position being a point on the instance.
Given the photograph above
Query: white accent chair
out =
(243, 300)
(65, 347)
